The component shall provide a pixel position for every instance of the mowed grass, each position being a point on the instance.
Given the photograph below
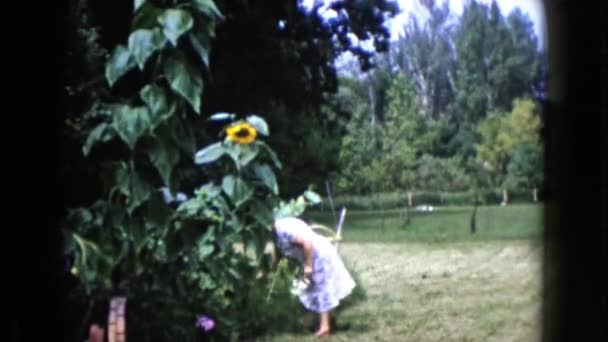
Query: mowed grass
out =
(466, 291)
(444, 224)
(434, 281)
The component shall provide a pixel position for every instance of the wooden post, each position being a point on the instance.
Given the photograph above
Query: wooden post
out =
(505, 197)
(473, 224)
(382, 218)
(535, 194)
(407, 216)
(409, 198)
(117, 330)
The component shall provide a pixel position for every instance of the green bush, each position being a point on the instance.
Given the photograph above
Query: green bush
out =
(271, 306)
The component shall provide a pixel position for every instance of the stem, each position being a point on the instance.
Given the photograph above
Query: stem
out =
(155, 68)
(87, 315)
(274, 279)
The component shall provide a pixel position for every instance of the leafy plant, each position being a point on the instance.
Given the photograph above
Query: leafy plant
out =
(205, 256)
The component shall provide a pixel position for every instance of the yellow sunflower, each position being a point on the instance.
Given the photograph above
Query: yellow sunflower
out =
(241, 133)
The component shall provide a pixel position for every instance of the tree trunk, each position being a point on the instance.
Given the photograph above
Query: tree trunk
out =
(372, 104)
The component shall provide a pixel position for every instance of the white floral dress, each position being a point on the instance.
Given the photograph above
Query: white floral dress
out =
(331, 282)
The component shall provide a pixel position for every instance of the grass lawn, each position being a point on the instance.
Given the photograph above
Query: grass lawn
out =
(434, 281)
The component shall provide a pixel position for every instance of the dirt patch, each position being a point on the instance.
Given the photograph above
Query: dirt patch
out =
(448, 292)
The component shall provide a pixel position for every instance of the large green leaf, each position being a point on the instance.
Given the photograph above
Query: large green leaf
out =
(146, 16)
(249, 152)
(204, 250)
(140, 192)
(202, 45)
(156, 100)
(206, 282)
(253, 248)
(186, 83)
(123, 179)
(137, 4)
(175, 23)
(228, 185)
(119, 64)
(113, 215)
(267, 176)
(208, 191)
(143, 43)
(164, 156)
(238, 191)
(182, 135)
(79, 219)
(271, 153)
(312, 197)
(130, 184)
(131, 123)
(209, 154)
(262, 213)
(137, 232)
(208, 8)
(242, 155)
(102, 133)
(258, 123)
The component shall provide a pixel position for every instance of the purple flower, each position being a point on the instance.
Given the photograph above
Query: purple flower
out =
(205, 322)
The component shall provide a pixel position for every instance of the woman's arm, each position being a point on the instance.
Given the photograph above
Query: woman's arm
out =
(307, 247)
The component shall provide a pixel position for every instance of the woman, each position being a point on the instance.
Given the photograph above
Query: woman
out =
(329, 280)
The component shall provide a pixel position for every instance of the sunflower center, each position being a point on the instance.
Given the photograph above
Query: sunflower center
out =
(242, 133)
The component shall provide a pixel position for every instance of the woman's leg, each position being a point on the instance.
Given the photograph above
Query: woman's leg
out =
(323, 324)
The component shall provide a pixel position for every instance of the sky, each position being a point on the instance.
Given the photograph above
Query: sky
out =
(534, 9)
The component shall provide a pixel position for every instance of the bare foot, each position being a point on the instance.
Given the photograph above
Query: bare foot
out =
(322, 332)
(96, 333)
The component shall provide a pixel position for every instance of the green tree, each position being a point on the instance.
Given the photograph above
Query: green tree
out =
(358, 147)
(502, 134)
(498, 53)
(497, 61)
(441, 174)
(424, 52)
(400, 140)
(471, 79)
(525, 169)
(527, 63)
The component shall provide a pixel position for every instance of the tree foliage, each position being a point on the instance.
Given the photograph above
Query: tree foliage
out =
(503, 134)
(474, 81)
